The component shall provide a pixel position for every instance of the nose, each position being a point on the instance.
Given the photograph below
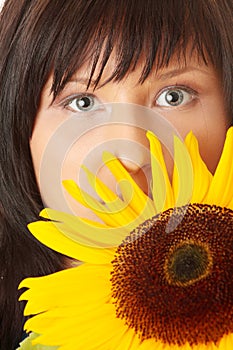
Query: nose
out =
(133, 153)
(129, 124)
(132, 148)
(130, 166)
(141, 175)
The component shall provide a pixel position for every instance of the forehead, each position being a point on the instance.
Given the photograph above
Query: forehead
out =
(177, 64)
(128, 42)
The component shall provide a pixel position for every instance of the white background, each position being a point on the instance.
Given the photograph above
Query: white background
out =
(1, 3)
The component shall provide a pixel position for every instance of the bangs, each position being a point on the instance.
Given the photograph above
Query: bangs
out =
(89, 31)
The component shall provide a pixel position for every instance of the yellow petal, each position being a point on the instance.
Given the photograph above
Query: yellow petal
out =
(226, 342)
(60, 216)
(221, 189)
(183, 174)
(131, 192)
(114, 214)
(87, 232)
(76, 284)
(101, 189)
(162, 189)
(89, 202)
(113, 202)
(51, 235)
(201, 175)
(101, 332)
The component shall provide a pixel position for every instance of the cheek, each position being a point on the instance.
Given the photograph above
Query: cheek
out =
(209, 124)
(211, 141)
(37, 146)
(211, 148)
(45, 127)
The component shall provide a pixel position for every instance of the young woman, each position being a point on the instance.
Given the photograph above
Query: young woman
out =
(62, 59)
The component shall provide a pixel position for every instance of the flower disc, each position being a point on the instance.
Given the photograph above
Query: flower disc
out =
(177, 287)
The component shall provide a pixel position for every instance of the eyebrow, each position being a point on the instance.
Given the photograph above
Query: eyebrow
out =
(83, 81)
(160, 76)
(178, 71)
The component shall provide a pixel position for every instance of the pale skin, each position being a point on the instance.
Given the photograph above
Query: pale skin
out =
(189, 96)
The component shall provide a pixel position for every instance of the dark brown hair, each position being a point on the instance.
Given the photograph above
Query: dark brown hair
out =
(38, 37)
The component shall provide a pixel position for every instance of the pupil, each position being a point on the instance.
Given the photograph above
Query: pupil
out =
(174, 97)
(84, 102)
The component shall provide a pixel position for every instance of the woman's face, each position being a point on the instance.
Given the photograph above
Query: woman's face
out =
(189, 96)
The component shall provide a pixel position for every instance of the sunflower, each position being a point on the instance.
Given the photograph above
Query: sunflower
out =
(156, 274)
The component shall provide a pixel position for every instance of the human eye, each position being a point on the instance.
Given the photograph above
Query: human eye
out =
(175, 96)
(82, 103)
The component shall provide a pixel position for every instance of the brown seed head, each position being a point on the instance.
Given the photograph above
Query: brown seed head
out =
(177, 287)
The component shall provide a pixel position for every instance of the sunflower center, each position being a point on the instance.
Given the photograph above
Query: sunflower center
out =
(187, 264)
(177, 287)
